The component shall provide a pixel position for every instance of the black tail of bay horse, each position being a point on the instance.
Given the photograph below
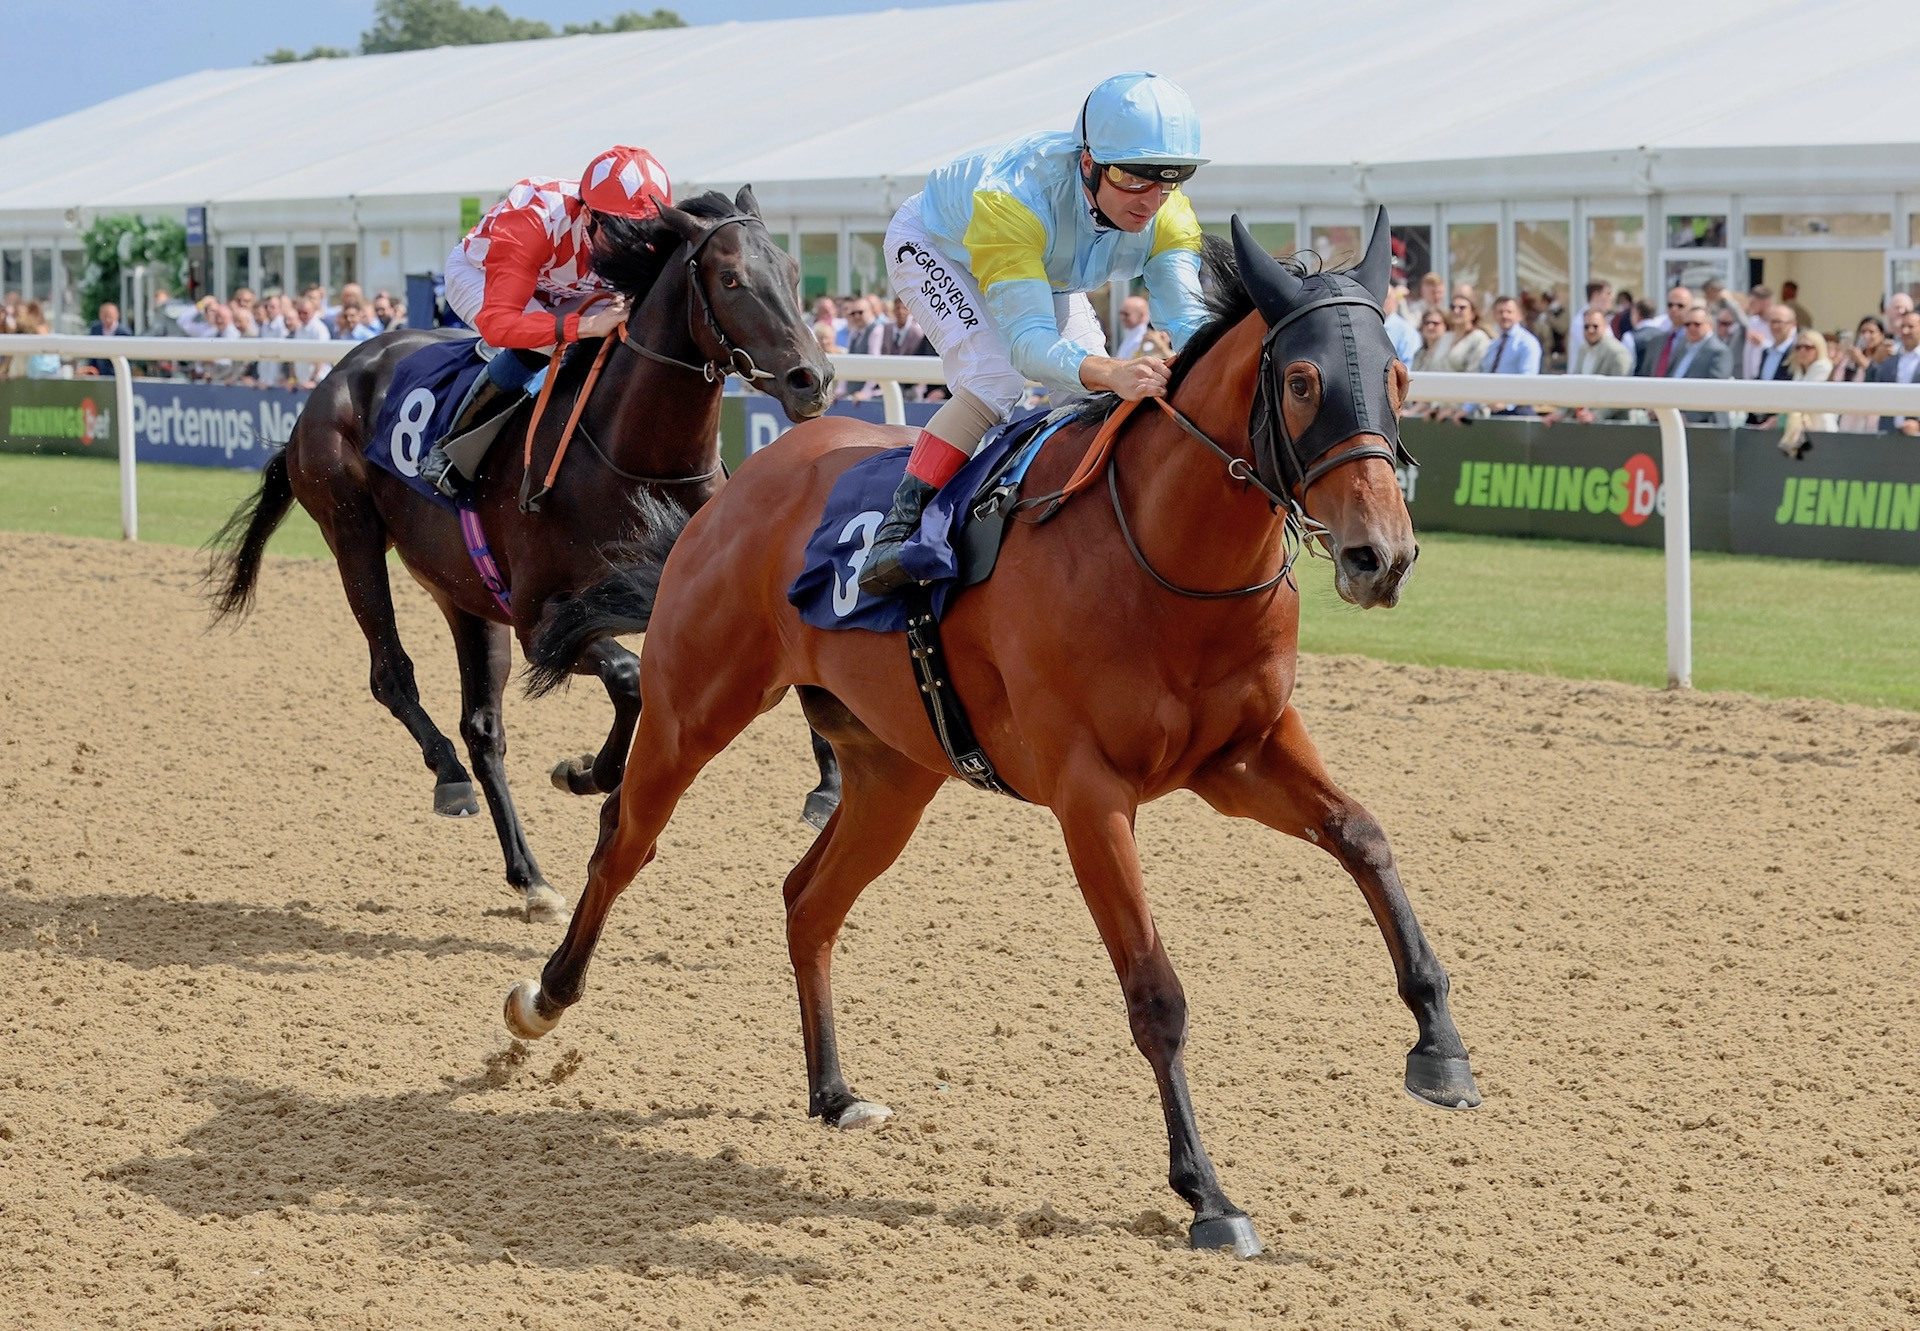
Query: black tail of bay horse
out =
(712, 295)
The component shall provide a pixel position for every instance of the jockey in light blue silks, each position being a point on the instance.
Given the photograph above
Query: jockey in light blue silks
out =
(994, 259)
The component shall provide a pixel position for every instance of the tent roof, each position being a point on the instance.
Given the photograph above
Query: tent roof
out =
(1351, 89)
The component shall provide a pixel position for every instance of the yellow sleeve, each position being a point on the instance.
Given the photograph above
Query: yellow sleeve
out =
(1175, 227)
(1006, 242)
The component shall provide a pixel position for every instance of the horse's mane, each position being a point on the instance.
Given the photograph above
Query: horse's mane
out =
(1227, 302)
(630, 253)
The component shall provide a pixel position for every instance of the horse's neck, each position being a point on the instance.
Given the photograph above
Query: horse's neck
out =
(661, 420)
(1197, 525)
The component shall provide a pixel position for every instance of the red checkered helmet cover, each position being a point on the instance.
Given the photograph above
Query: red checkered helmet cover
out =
(627, 182)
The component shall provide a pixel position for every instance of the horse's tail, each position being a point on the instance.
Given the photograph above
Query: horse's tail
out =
(242, 540)
(621, 602)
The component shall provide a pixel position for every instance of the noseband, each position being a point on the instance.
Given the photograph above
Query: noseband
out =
(732, 359)
(1284, 468)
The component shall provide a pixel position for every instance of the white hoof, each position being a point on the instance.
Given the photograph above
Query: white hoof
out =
(862, 1114)
(546, 906)
(522, 1018)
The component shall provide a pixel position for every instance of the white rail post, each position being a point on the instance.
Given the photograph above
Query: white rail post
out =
(123, 437)
(893, 402)
(1679, 538)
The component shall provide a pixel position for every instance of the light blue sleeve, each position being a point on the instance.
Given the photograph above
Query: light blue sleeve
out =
(1173, 294)
(1022, 309)
(1528, 361)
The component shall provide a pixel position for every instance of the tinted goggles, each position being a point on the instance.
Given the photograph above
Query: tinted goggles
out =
(1139, 177)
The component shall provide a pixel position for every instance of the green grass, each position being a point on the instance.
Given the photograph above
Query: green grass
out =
(80, 496)
(1784, 627)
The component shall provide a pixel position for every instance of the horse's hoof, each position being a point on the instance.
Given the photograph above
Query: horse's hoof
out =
(1446, 1083)
(1226, 1231)
(820, 807)
(523, 1011)
(546, 906)
(862, 1114)
(455, 799)
(574, 776)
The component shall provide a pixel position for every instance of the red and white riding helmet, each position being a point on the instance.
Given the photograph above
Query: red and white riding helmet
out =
(626, 182)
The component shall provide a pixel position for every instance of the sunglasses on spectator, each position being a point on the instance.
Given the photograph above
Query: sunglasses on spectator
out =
(1139, 177)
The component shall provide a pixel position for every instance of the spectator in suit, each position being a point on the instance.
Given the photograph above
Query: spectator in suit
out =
(1701, 356)
(1776, 358)
(1133, 328)
(1662, 340)
(1902, 367)
(1759, 301)
(305, 324)
(1891, 313)
(1514, 351)
(1598, 351)
(865, 337)
(1623, 320)
(106, 324)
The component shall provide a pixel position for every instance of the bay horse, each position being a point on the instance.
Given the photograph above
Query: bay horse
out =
(712, 295)
(1120, 651)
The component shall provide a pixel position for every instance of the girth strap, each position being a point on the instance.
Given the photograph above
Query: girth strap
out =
(957, 740)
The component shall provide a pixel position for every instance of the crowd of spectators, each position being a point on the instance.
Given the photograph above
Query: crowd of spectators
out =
(1707, 333)
(308, 316)
(1700, 334)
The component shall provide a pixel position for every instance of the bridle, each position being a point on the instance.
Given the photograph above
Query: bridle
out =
(732, 359)
(1284, 468)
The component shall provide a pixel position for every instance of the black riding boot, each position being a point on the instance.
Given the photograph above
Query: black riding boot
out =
(882, 573)
(436, 468)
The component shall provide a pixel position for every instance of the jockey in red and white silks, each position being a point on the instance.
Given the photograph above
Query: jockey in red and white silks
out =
(521, 276)
(517, 277)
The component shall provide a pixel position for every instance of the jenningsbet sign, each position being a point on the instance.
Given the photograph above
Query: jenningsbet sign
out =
(216, 425)
(1851, 497)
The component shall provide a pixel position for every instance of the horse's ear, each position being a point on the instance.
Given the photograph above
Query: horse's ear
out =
(1376, 269)
(689, 227)
(1274, 289)
(744, 202)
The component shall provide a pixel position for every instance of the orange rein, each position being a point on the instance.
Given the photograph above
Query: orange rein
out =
(530, 502)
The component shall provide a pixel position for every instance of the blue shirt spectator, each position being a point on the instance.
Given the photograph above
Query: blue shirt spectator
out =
(1513, 350)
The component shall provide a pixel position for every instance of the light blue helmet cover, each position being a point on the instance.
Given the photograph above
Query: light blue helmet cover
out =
(1140, 117)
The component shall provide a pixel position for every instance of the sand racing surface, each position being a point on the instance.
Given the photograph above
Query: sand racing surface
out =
(254, 1072)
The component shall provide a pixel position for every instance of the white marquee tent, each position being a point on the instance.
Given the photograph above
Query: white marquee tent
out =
(1518, 140)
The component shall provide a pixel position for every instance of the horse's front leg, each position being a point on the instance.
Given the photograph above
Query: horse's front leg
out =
(1098, 824)
(1278, 780)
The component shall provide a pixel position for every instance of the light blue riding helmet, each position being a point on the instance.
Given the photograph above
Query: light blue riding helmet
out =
(1141, 118)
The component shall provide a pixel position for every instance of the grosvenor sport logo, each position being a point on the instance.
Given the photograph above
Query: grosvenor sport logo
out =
(1631, 492)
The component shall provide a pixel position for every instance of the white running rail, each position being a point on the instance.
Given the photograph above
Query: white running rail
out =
(1665, 398)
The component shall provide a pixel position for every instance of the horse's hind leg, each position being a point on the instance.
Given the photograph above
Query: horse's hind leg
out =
(619, 671)
(360, 549)
(1279, 780)
(485, 652)
(884, 795)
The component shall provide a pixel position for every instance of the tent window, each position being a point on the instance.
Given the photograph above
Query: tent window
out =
(1473, 255)
(1617, 251)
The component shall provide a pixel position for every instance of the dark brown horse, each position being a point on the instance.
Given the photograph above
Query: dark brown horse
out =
(712, 295)
(1143, 641)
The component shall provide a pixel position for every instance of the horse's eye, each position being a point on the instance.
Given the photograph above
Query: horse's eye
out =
(1299, 386)
(730, 280)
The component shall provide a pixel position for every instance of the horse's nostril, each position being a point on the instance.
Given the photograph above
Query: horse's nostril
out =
(802, 380)
(1362, 560)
